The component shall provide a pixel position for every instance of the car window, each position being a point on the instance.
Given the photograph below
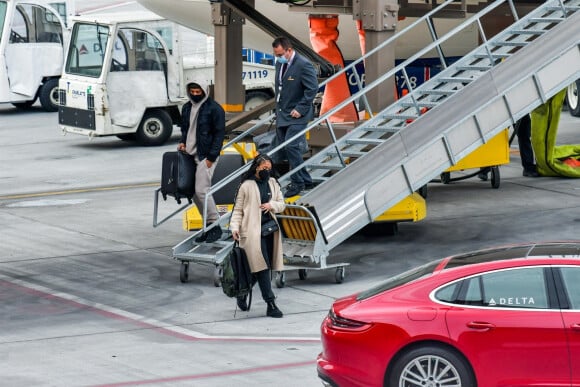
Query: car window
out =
(514, 288)
(401, 279)
(571, 279)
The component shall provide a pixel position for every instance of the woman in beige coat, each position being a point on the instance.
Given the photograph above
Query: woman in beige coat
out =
(258, 199)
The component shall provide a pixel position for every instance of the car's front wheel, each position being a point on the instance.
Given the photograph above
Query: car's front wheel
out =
(430, 365)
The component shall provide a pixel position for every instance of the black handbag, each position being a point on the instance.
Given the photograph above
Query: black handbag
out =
(269, 227)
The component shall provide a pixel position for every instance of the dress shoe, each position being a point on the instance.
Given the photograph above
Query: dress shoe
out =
(530, 173)
(293, 189)
(242, 304)
(214, 234)
(483, 172)
(273, 310)
(201, 238)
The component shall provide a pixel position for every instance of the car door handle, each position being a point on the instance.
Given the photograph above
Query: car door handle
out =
(480, 325)
(575, 327)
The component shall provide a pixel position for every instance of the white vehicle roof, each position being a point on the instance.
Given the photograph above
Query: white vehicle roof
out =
(119, 17)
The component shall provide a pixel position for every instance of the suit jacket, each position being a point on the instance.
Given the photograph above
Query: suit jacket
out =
(296, 91)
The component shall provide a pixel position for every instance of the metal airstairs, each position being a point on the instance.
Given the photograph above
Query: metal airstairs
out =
(400, 149)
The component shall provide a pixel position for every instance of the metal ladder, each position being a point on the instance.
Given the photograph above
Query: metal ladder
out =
(402, 148)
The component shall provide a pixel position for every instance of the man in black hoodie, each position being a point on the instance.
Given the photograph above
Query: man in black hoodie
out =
(202, 134)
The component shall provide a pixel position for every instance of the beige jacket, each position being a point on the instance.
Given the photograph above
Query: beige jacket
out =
(246, 219)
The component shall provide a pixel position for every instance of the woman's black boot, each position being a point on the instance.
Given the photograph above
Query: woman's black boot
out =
(242, 304)
(273, 310)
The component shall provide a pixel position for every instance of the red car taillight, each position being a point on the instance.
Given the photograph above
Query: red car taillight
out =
(333, 321)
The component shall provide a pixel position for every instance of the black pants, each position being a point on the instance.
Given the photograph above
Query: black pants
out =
(264, 277)
(524, 133)
(265, 282)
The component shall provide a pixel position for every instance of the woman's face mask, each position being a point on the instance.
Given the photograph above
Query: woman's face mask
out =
(264, 174)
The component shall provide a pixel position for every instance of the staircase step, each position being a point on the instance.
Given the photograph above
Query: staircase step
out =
(514, 43)
(366, 141)
(383, 129)
(455, 80)
(546, 19)
(493, 55)
(420, 104)
(347, 153)
(329, 166)
(402, 117)
(474, 67)
(528, 32)
(436, 92)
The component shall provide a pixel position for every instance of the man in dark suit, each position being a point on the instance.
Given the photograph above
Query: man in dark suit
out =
(296, 87)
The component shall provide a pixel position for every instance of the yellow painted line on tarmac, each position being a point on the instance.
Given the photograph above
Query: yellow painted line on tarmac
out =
(73, 191)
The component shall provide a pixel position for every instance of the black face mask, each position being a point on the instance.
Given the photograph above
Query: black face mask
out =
(264, 174)
(196, 98)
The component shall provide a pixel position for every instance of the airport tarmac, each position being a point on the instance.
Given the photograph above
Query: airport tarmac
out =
(90, 294)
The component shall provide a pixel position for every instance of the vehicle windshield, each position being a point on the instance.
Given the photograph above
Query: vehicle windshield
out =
(87, 49)
(401, 279)
(2, 17)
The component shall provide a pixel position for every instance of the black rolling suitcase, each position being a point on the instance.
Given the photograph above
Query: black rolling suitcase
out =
(178, 176)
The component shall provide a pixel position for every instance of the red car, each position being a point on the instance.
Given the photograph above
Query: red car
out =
(506, 316)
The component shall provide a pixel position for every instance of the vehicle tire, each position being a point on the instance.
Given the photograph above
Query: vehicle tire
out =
(495, 177)
(423, 191)
(218, 273)
(25, 104)
(48, 95)
(184, 272)
(280, 279)
(339, 274)
(155, 128)
(430, 365)
(572, 99)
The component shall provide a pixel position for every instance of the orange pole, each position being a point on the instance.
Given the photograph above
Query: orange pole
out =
(323, 36)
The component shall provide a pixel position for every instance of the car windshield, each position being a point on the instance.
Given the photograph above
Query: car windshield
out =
(86, 52)
(2, 17)
(401, 279)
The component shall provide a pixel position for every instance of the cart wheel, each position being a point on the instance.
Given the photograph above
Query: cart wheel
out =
(184, 272)
(339, 275)
(495, 177)
(423, 191)
(280, 279)
(446, 177)
(218, 272)
(302, 274)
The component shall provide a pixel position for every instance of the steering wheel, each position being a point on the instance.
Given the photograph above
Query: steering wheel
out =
(118, 66)
(15, 37)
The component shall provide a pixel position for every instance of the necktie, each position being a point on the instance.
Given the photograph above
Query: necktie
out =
(284, 67)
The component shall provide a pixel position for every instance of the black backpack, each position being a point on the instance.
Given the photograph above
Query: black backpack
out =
(237, 276)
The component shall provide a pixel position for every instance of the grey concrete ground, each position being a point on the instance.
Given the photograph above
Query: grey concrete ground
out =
(90, 294)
